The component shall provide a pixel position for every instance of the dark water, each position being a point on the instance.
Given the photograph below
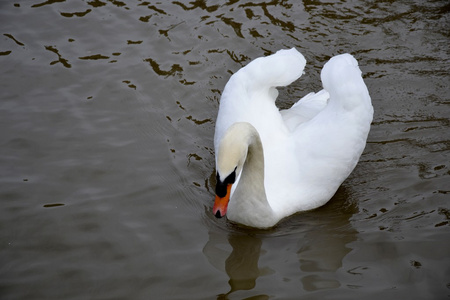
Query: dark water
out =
(107, 113)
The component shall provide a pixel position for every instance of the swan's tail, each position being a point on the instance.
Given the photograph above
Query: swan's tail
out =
(279, 69)
(341, 77)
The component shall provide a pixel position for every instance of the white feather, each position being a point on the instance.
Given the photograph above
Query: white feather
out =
(309, 149)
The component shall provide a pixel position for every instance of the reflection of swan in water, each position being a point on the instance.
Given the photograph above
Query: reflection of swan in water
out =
(243, 272)
(270, 163)
(303, 254)
(241, 265)
(323, 249)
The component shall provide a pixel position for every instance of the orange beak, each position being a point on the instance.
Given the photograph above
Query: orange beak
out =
(221, 204)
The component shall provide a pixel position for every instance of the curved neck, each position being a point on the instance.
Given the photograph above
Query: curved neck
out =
(249, 204)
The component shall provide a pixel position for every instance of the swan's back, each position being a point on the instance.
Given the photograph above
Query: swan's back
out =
(328, 146)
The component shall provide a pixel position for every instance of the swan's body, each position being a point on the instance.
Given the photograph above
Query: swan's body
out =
(270, 163)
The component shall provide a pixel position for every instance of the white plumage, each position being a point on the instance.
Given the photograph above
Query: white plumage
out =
(306, 151)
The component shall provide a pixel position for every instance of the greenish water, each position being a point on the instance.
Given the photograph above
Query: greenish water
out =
(107, 112)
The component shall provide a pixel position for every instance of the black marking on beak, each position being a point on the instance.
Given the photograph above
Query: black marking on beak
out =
(221, 187)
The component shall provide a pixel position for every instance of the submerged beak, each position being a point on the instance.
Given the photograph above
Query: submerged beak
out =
(221, 203)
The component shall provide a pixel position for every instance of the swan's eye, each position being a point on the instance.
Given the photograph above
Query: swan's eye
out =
(231, 178)
(221, 187)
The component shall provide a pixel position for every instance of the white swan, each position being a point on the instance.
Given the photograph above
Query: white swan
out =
(270, 163)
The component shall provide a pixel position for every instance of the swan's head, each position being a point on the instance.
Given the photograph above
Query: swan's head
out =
(231, 156)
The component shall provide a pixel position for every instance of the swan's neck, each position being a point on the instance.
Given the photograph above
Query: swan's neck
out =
(249, 204)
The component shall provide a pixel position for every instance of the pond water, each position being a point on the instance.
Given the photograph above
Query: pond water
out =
(107, 112)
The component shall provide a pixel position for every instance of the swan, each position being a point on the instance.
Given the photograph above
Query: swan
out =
(271, 164)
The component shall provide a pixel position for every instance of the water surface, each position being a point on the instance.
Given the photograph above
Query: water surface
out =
(107, 112)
